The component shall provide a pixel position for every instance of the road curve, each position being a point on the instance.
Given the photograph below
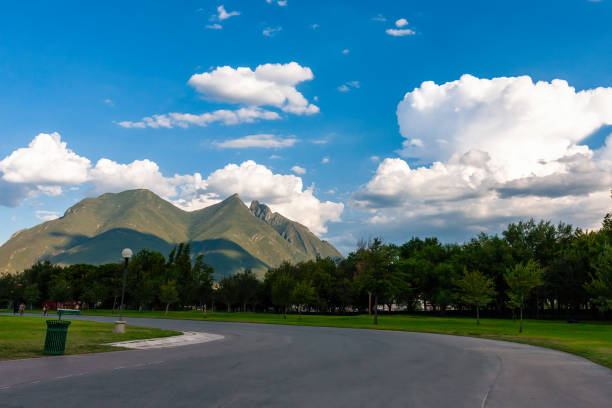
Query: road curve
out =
(259, 365)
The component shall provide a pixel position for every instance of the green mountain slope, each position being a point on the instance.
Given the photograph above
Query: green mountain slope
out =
(230, 235)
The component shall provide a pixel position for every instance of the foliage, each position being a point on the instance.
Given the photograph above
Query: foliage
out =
(475, 289)
(600, 287)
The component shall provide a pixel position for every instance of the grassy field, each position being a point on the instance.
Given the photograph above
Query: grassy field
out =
(24, 337)
(592, 340)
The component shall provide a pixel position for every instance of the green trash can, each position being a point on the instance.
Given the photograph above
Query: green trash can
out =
(55, 341)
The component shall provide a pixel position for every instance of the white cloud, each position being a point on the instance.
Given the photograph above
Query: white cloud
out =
(491, 152)
(346, 51)
(379, 17)
(314, 26)
(298, 170)
(27, 174)
(109, 102)
(224, 15)
(325, 160)
(215, 26)
(347, 86)
(281, 3)
(275, 157)
(399, 32)
(46, 160)
(375, 159)
(46, 215)
(184, 120)
(268, 85)
(401, 23)
(271, 31)
(266, 141)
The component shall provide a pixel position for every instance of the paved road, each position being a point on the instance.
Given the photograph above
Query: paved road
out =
(285, 366)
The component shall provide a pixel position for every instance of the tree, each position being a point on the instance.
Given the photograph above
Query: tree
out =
(60, 291)
(377, 274)
(94, 294)
(31, 294)
(281, 292)
(475, 289)
(303, 294)
(522, 280)
(168, 294)
(600, 287)
(203, 274)
(247, 285)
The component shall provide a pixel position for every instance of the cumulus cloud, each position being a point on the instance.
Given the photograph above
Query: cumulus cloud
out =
(46, 160)
(491, 151)
(215, 26)
(27, 173)
(325, 160)
(46, 215)
(265, 141)
(267, 85)
(346, 51)
(401, 23)
(298, 170)
(184, 120)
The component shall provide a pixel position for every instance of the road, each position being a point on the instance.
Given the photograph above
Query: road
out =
(258, 365)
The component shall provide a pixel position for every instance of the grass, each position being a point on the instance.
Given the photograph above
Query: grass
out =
(24, 337)
(592, 340)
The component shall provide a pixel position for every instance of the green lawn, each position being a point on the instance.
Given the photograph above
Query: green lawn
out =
(24, 337)
(592, 340)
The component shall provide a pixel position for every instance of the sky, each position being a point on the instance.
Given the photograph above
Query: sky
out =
(356, 118)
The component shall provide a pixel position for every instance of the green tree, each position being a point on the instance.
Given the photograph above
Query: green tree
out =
(168, 294)
(282, 291)
(246, 286)
(94, 294)
(522, 280)
(377, 275)
(31, 294)
(600, 286)
(303, 294)
(60, 291)
(475, 289)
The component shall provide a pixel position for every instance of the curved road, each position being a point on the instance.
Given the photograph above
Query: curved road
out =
(258, 365)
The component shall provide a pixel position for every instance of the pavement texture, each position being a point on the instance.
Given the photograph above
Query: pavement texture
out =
(258, 365)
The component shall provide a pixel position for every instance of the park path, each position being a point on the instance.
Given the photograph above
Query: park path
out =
(258, 365)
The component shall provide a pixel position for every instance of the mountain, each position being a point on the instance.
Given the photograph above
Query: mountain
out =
(231, 235)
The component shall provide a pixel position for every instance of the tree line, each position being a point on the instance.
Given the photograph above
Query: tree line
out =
(532, 268)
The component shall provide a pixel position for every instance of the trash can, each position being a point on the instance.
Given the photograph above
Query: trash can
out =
(55, 341)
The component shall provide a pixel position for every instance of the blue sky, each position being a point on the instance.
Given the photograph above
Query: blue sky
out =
(81, 71)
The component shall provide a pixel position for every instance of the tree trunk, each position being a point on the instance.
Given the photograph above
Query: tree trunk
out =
(477, 314)
(375, 309)
(521, 324)
(167, 306)
(369, 303)
(114, 303)
(285, 313)
(228, 308)
(244, 306)
(299, 312)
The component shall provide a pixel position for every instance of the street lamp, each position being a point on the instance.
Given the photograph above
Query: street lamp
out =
(120, 324)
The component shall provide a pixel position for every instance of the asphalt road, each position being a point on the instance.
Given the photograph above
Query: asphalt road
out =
(287, 366)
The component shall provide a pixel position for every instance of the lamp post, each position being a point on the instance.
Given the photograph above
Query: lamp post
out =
(120, 324)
